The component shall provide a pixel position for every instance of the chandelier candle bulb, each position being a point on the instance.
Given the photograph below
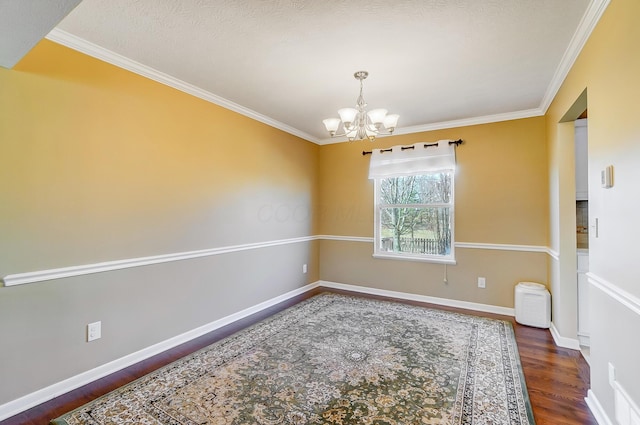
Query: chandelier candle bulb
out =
(357, 123)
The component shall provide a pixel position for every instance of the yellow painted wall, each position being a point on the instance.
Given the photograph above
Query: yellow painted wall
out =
(500, 198)
(609, 69)
(99, 164)
(501, 183)
(99, 159)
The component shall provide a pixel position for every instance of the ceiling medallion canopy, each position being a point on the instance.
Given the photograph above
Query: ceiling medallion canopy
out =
(357, 123)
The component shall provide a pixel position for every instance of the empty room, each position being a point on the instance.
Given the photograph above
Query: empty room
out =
(319, 212)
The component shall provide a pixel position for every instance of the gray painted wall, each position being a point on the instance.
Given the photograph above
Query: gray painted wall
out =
(102, 165)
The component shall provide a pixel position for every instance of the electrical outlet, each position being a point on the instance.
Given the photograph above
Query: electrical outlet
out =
(304, 268)
(482, 282)
(94, 331)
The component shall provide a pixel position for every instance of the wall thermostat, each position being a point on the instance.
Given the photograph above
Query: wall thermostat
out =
(606, 177)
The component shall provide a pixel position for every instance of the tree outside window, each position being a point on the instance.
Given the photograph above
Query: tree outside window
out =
(414, 215)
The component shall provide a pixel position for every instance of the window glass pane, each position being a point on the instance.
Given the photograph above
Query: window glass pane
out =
(424, 189)
(416, 230)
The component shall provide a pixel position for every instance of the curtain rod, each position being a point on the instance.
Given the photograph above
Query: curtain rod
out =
(426, 145)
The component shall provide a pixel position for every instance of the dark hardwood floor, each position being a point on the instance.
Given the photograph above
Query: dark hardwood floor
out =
(557, 378)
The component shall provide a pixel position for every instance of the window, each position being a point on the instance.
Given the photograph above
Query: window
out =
(414, 207)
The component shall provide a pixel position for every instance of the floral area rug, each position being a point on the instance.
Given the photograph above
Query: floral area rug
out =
(335, 359)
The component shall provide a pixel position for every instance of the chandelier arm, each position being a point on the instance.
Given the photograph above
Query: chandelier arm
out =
(362, 126)
(380, 132)
(367, 126)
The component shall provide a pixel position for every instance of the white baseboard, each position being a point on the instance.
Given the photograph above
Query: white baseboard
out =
(584, 340)
(30, 400)
(422, 298)
(562, 341)
(596, 409)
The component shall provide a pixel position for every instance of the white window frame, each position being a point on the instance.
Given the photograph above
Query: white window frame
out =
(430, 258)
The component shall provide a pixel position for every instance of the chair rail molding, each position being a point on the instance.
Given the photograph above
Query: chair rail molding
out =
(59, 273)
(84, 269)
(623, 297)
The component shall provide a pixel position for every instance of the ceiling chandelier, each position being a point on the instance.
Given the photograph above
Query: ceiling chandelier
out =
(358, 123)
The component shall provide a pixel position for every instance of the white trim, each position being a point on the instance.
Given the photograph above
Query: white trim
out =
(76, 43)
(553, 254)
(596, 409)
(624, 406)
(421, 259)
(582, 122)
(562, 341)
(42, 275)
(466, 245)
(584, 340)
(377, 211)
(487, 119)
(421, 298)
(587, 24)
(64, 272)
(580, 37)
(502, 247)
(28, 401)
(346, 238)
(623, 297)
(45, 394)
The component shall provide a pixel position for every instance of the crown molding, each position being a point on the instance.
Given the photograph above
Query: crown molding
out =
(585, 28)
(464, 122)
(76, 43)
(589, 21)
(587, 24)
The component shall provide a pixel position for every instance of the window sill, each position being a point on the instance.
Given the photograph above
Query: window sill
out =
(449, 261)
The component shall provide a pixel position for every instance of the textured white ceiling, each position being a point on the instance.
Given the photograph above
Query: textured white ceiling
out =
(292, 61)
